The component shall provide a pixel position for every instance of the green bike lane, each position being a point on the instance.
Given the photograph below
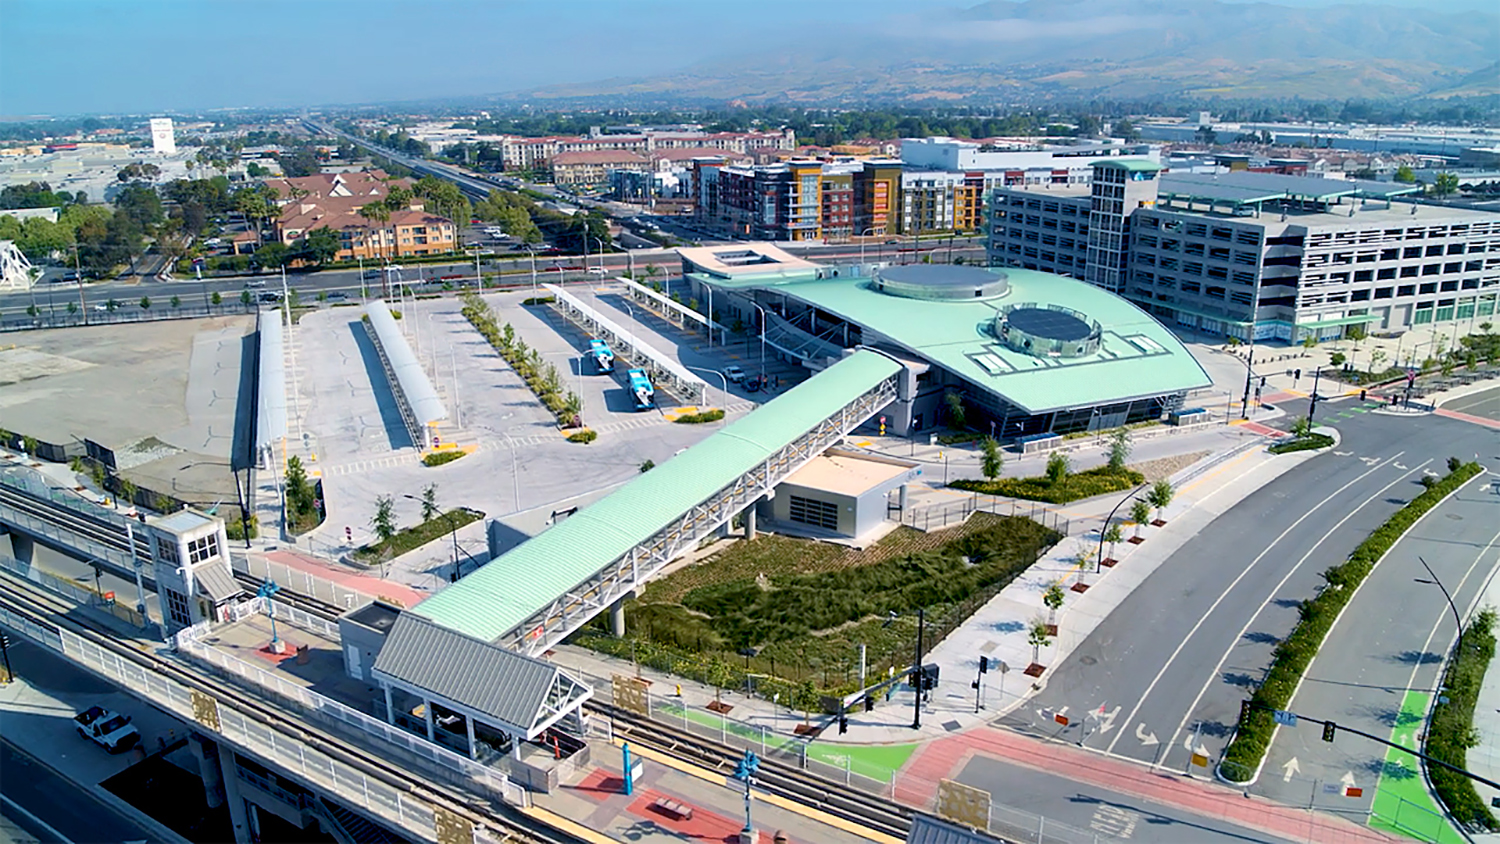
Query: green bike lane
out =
(1377, 669)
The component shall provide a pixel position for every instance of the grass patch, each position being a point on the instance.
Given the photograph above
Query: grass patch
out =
(439, 458)
(585, 436)
(804, 606)
(1072, 487)
(1307, 443)
(1451, 733)
(712, 415)
(415, 536)
(1316, 616)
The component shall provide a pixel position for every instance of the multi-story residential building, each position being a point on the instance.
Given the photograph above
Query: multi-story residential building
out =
(1257, 254)
(771, 202)
(993, 167)
(877, 196)
(334, 201)
(937, 201)
(592, 168)
(519, 153)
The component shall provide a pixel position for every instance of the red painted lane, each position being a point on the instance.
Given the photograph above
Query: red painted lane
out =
(362, 583)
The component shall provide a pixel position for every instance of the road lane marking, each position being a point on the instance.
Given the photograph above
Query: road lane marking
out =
(1228, 589)
(1146, 739)
(1290, 769)
(1293, 570)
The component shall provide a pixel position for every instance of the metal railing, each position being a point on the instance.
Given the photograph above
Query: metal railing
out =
(950, 515)
(78, 593)
(301, 582)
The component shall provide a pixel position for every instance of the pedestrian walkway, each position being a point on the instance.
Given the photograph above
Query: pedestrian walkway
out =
(317, 578)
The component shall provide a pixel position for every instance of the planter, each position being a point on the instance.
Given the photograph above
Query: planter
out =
(1080, 587)
(807, 730)
(1108, 562)
(1158, 522)
(721, 708)
(1034, 670)
(1052, 630)
(1136, 540)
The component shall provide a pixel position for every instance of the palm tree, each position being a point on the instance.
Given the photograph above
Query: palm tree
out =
(376, 212)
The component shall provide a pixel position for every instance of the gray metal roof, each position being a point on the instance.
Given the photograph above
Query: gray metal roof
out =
(216, 582)
(410, 378)
(926, 829)
(1240, 186)
(270, 416)
(497, 684)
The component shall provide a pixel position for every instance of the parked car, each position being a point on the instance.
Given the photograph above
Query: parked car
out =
(734, 373)
(269, 296)
(110, 730)
(336, 297)
(256, 282)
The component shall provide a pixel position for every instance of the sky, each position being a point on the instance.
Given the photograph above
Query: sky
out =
(65, 57)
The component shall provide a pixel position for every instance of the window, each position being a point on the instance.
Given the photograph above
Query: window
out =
(177, 608)
(1406, 290)
(166, 550)
(1359, 295)
(203, 548)
(1386, 273)
(1412, 252)
(1455, 249)
(1431, 269)
(1383, 293)
(1434, 249)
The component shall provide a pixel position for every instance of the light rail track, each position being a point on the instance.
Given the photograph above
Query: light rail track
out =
(502, 823)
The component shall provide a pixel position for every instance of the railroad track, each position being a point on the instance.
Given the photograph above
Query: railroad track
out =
(842, 801)
(28, 601)
(317, 606)
(87, 527)
(776, 777)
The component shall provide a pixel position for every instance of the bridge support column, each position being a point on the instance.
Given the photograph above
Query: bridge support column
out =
(902, 499)
(22, 547)
(209, 769)
(749, 515)
(237, 814)
(617, 618)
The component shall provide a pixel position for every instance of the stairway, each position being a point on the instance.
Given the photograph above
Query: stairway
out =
(351, 828)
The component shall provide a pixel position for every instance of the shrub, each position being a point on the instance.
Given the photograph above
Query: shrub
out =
(235, 528)
(1451, 732)
(1307, 443)
(539, 300)
(960, 437)
(438, 458)
(1291, 657)
(413, 537)
(585, 436)
(1085, 484)
(712, 415)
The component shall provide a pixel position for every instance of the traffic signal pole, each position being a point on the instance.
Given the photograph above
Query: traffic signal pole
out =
(916, 672)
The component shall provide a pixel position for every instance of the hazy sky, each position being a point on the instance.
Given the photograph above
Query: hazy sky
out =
(105, 56)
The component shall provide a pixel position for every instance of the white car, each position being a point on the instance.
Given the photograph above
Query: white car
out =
(734, 373)
(597, 271)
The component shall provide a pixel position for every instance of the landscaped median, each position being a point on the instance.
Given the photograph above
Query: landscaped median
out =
(1451, 733)
(1252, 738)
(407, 539)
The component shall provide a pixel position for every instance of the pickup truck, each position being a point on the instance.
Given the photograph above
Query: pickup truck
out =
(110, 730)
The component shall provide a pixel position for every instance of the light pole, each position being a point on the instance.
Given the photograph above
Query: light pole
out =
(586, 239)
(725, 379)
(763, 338)
(1108, 520)
(1457, 619)
(1249, 372)
(528, 248)
(452, 533)
(862, 235)
(266, 590)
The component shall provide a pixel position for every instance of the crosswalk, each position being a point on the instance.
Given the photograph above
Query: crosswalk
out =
(387, 461)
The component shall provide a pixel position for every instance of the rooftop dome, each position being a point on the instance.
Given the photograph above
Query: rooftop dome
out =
(1048, 330)
(941, 282)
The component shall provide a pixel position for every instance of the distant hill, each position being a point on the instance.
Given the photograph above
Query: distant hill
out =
(1070, 49)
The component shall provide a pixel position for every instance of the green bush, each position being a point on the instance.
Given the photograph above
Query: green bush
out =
(711, 415)
(960, 437)
(416, 536)
(1307, 443)
(1085, 484)
(234, 528)
(439, 458)
(585, 436)
(539, 300)
(1316, 615)
(1451, 733)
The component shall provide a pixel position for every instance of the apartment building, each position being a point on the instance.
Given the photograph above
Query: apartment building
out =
(519, 153)
(593, 168)
(334, 201)
(1258, 254)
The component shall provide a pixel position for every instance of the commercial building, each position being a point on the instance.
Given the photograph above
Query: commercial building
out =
(1261, 255)
(991, 166)
(593, 168)
(520, 153)
(163, 139)
(334, 201)
(1028, 352)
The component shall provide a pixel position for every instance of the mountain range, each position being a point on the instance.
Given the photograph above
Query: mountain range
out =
(1041, 50)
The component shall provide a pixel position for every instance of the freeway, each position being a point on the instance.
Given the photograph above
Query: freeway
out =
(1180, 653)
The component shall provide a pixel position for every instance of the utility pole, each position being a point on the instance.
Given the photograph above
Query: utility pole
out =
(916, 671)
(1312, 406)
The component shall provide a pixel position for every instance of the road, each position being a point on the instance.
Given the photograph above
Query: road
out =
(1178, 655)
(63, 805)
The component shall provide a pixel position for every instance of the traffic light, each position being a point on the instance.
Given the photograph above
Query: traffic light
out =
(1244, 710)
(1329, 728)
(984, 665)
(843, 723)
(1262, 382)
(869, 703)
(1297, 373)
(1361, 395)
(929, 677)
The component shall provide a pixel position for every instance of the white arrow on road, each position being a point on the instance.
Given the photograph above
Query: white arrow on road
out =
(1347, 779)
(1290, 769)
(1343, 453)
(1146, 738)
(1107, 719)
(1399, 466)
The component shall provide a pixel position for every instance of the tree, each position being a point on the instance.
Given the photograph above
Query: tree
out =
(1206, 136)
(320, 245)
(145, 303)
(384, 520)
(300, 495)
(429, 503)
(1039, 637)
(1119, 450)
(647, 466)
(1337, 359)
(245, 299)
(128, 489)
(1140, 513)
(29, 445)
(1445, 184)
(1301, 427)
(375, 212)
(273, 255)
(1113, 536)
(217, 299)
(719, 674)
(956, 414)
(1405, 176)
(1057, 468)
(1053, 599)
(176, 302)
(1160, 496)
(1126, 130)
(1377, 357)
(1309, 342)
(992, 462)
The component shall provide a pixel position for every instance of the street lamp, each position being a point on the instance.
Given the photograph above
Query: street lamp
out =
(1108, 520)
(586, 239)
(266, 590)
(452, 533)
(528, 248)
(725, 379)
(1457, 619)
(763, 339)
(862, 235)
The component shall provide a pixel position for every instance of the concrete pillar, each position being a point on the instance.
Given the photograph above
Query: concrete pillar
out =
(617, 619)
(237, 815)
(427, 712)
(749, 516)
(903, 498)
(22, 547)
(209, 769)
(390, 712)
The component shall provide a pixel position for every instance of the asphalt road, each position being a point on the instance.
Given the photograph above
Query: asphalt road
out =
(1391, 638)
(1172, 664)
(58, 802)
(1485, 404)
